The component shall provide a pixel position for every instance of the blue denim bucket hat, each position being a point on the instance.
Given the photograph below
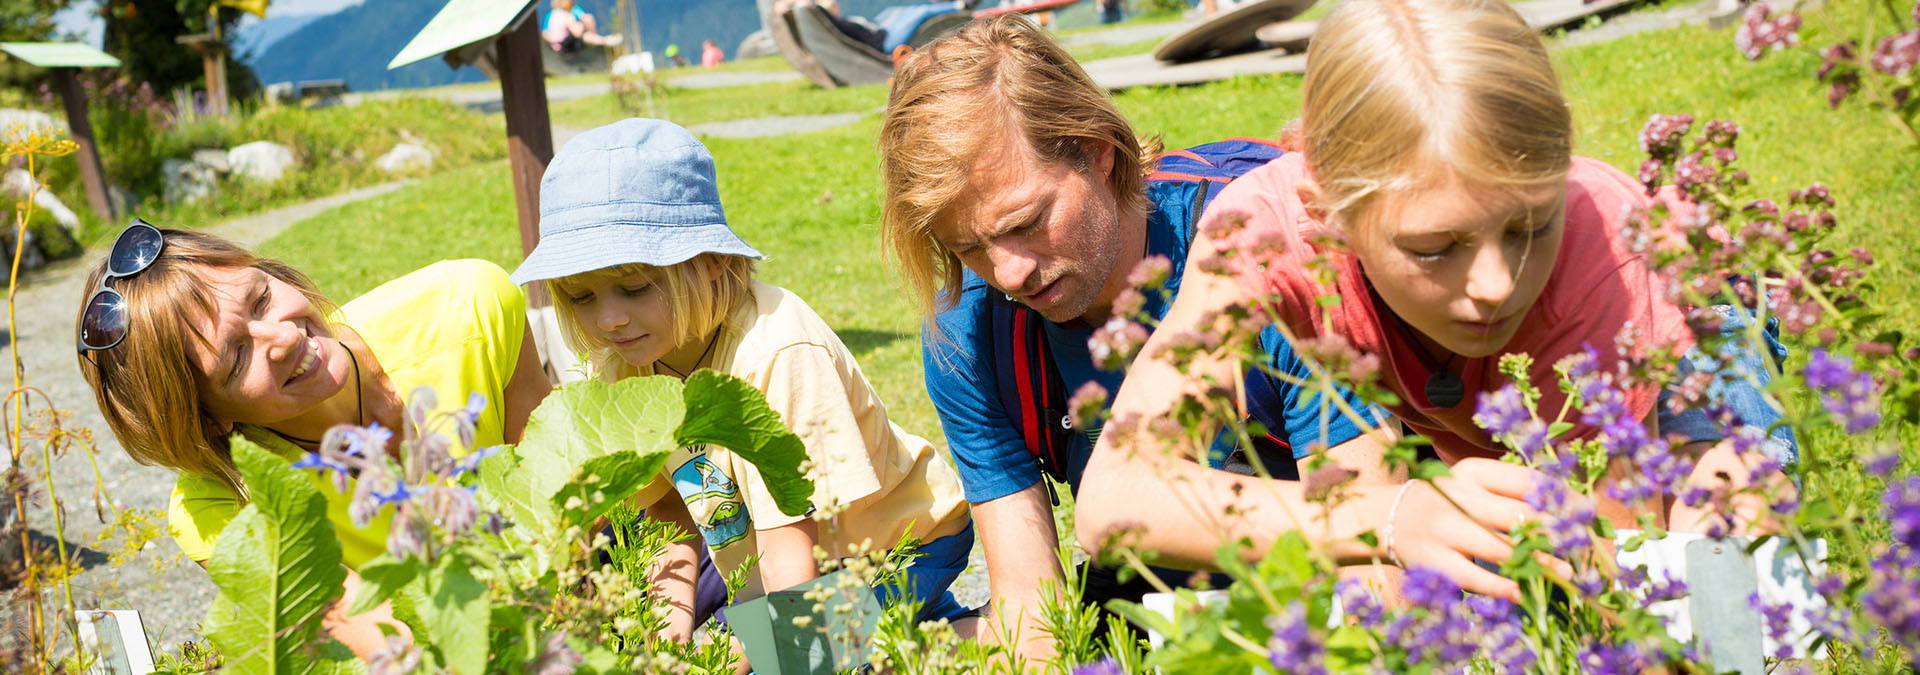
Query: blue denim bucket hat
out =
(635, 191)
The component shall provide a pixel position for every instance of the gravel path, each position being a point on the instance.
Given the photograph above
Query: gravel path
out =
(170, 592)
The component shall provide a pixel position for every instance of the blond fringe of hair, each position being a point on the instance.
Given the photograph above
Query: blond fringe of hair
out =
(954, 96)
(702, 293)
(1403, 94)
(146, 385)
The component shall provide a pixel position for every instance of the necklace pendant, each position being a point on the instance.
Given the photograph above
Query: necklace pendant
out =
(1445, 389)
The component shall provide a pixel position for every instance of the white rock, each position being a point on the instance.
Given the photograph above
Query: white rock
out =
(187, 181)
(264, 161)
(633, 64)
(404, 157)
(18, 182)
(213, 158)
(28, 120)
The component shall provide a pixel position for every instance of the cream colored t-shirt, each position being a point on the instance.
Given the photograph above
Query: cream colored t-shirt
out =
(890, 481)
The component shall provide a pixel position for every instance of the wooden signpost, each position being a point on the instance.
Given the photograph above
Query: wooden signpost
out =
(66, 59)
(465, 31)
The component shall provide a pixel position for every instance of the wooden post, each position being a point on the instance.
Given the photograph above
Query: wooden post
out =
(523, 95)
(67, 81)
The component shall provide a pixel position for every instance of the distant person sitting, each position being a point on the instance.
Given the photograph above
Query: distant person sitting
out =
(858, 28)
(710, 54)
(568, 28)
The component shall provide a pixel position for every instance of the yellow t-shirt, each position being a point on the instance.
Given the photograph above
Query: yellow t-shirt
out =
(455, 326)
(888, 479)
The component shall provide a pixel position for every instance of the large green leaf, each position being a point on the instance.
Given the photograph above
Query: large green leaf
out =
(380, 578)
(456, 614)
(574, 424)
(727, 411)
(600, 484)
(278, 567)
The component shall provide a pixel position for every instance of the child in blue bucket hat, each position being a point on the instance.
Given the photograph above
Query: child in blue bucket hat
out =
(648, 279)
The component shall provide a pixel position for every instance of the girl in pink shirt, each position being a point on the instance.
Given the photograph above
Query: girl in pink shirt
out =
(1435, 144)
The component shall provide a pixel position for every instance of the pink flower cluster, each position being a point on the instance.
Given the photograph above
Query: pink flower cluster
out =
(1764, 31)
(1897, 54)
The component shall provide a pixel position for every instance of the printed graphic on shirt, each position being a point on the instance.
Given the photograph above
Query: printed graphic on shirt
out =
(712, 498)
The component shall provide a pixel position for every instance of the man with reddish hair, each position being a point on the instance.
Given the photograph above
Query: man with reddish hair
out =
(1018, 200)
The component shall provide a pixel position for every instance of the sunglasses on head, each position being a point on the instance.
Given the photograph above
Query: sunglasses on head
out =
(104, 323)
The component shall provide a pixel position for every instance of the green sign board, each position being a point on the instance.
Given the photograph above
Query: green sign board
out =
(60, 54)
(461, 23)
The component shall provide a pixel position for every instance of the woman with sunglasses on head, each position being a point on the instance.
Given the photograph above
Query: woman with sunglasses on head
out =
(187, 339)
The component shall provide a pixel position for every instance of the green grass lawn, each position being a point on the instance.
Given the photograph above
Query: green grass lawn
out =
(693, 106)
(811, 201)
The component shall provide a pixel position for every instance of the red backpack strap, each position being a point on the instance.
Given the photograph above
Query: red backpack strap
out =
(1030, 387)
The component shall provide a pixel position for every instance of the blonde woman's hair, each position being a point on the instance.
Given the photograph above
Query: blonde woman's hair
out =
(702, 293)
(1398, 93)
(968, 89)
(145, 385)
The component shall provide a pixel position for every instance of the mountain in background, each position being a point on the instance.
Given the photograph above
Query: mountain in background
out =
(254, 38)
(356, 43)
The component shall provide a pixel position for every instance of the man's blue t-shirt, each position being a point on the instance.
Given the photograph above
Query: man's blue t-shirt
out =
(985, 440)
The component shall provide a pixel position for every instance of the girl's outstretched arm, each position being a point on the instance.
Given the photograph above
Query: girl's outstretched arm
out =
(786, 555)
(674, 575)
(1193, 509)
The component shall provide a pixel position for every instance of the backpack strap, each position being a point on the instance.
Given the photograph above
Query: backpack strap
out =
(1031, 389)
(1030, 386)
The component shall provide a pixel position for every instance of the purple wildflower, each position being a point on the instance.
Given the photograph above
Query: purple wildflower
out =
(1627, 658)
(1850, 396)
(1778, 618)
(1504, 414)
(1106, 666)
(1448, 632)
(1359, 602)
(1903, 512)
(1884, 463)
(1293, 648)
(1427, 587)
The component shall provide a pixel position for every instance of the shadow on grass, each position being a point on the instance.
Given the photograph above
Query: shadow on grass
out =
(862, 341)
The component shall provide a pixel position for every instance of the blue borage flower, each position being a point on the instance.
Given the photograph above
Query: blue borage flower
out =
(471, 462)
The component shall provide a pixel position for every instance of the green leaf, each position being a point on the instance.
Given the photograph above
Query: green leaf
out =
(456, 614)
(505, 488)
(380, 578)
(726, 411)
(278, 567)
(1557, 429)
(1430, 469)
(576, 423)
(1603, 528)
(584, 420)
(600, 483)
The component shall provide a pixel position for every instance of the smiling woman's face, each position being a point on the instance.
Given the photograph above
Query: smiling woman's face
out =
(268, 354)
(1461, 264)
